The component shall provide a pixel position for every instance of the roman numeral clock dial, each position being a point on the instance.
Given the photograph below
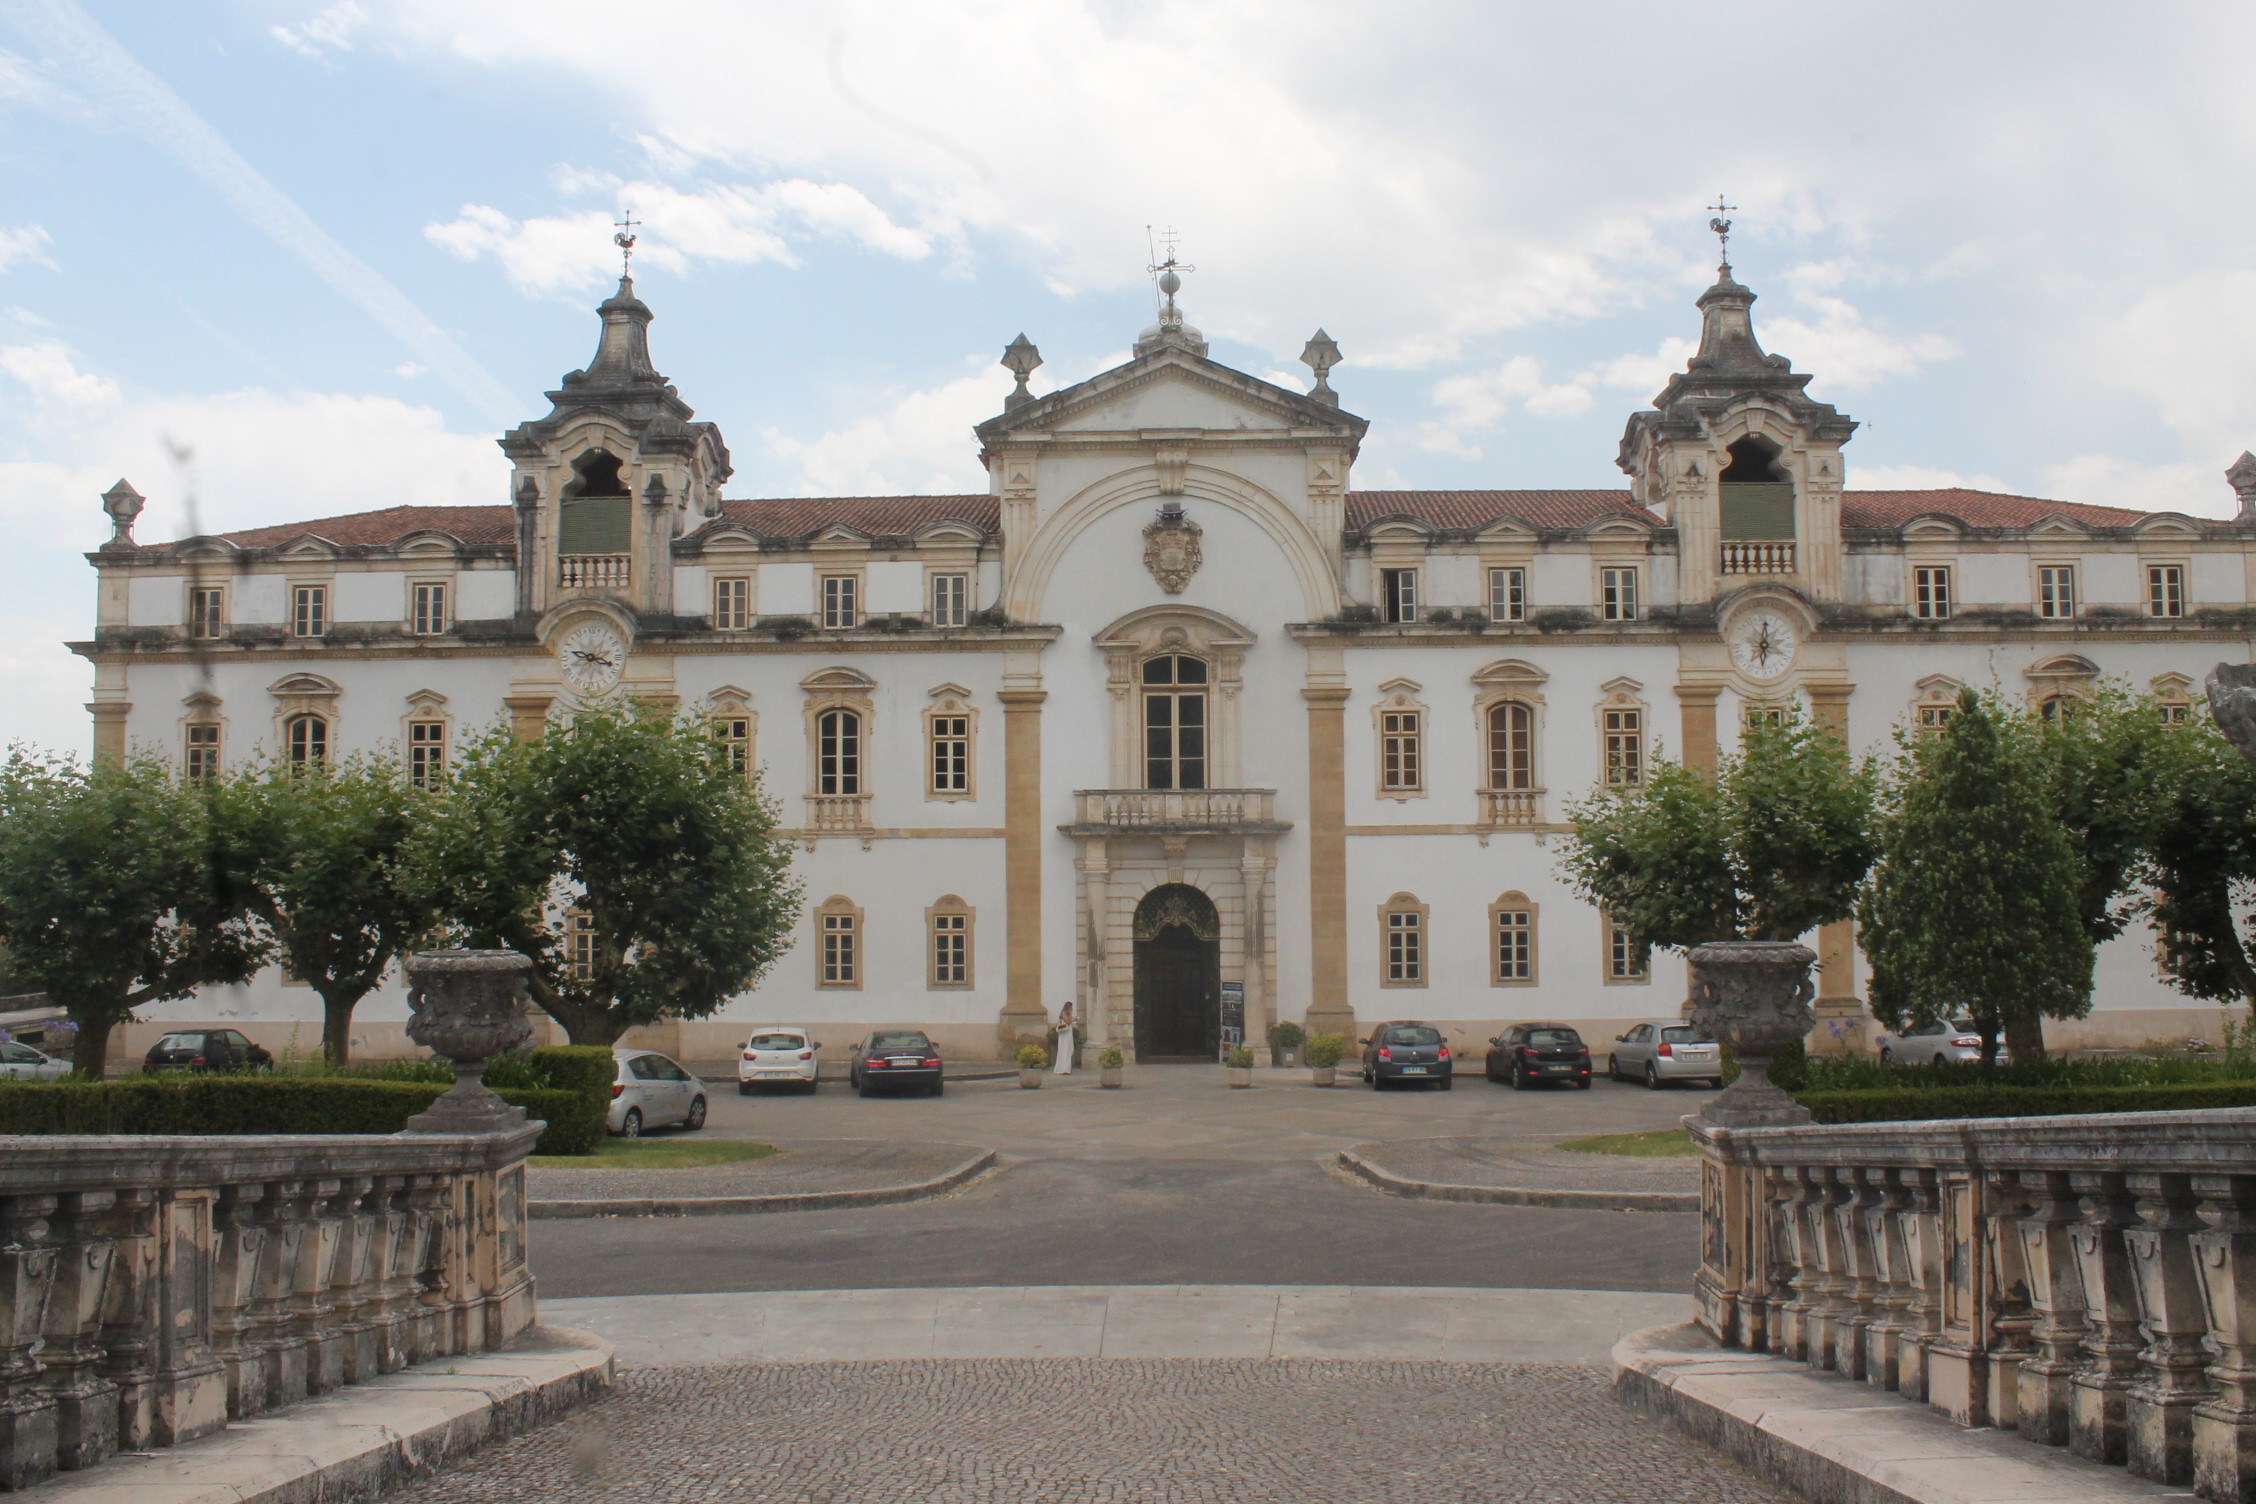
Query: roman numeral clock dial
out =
(591, 657)
(1763, 643)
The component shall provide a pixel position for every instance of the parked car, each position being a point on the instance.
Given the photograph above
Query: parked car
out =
(205, 1050)
(896, 1060)
(778, 1055)
(654, 1091)
(1957, 1040)
(20, 1062)
(1407, 1051)
(1526, 1054)
(1663, 1051)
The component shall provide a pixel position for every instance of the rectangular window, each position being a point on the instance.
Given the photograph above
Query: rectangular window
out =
(1931, 592)
(841, 600)
(426, 753)
(2174, 713)
(1398, 594)
(1507, 595)
(951, 754)
(951, 600)
(1617, 594)
(202, 760)
(1400, 766)
(1405, 948)
(1626, 957)
(207, 611)
(1625, 748)
(838, 753)
(732, 604)
(428, 618)
(736, 737)
(2165, 590)
(951, 950)
(1515, 946)
(579, 941)
(2056, 591)
(841, 950)
(309, 610)
(1933, 718)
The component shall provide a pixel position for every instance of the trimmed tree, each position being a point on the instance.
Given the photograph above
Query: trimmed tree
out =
(1973, 908)
(2110, 762)
(110, 893)
(626, 855)
(319, 852)
(2201, 863)
(1769, 847)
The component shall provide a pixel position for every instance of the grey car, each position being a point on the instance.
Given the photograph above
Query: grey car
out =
(654, 1091)
(1956, 1041)
(1406, 1052)
(1664, 1051)
(20, 1062)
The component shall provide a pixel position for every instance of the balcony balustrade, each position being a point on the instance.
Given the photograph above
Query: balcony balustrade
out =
(1511, 807)
(1178, 811)
(1758, 558)
(594, 571)
(837, 814)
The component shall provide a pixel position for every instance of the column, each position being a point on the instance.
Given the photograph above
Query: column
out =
(1023, 1016)
(1328, 1009)
(1840, 1012)
(109, 729)
(1253, 922)
(1095, 983)
(528, 715)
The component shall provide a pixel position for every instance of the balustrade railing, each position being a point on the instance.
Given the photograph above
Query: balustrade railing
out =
(838, 812)
(593, 571)
(1180, 809)
(2090, 1281)
(1758, 558)
(154, 1289)
(1511, 806)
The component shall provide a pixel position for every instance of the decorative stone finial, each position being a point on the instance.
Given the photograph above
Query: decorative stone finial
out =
(468, 1006)
(1171, 329)
(528, 494)
(1320, 354)
(654, 494)
(123, 503)
(1020, 357)
(2242, 475)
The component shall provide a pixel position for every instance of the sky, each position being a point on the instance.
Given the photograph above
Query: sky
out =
(283, 259)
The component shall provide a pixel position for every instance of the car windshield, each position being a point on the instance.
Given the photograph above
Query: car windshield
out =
(1413, 1036)
(899, 1042)
(1686, 1034)
(180, 1042)
(1553, 1039)
(776, 1042)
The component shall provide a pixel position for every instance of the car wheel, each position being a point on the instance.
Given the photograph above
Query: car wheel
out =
(1886, 1054)
(744, 1088)
(696, 1118)
(1652, 1077)
(1583, 1084)
(813, 1083)
(863, 1090)
(1447, 1082)
(1519, 1078)
(630, 1126)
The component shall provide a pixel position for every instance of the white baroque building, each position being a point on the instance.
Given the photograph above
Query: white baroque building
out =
(1171, 720)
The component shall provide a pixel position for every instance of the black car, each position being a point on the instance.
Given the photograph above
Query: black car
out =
(895, 1060)
(1406, 1050)
(1525, 1054)
(204, 1050)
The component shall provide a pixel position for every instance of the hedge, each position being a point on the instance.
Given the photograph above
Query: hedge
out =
(1898, 1104)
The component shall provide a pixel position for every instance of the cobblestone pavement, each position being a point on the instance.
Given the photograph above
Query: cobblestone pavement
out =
(1536, 1166)
(1069, 1431)
(803, 1165)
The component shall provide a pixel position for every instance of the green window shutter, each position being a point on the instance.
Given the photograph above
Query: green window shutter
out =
(593, 525)
(1757, 510)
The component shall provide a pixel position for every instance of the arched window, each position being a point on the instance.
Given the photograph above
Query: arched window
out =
(595, 512)
(838, 752)
(1402, 941)
(1175, 722)
(1511, 747)
(308, 738)
(1755, 493)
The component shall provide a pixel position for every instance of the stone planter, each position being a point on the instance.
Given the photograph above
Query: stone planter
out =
(1754, 996)
(468, 1006)
(1109, 1077)
(1286, 1059)
(1323, 1075)
(1031, 1080)
(1240, 1079)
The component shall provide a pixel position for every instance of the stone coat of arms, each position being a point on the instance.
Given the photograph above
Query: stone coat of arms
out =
(1171, 548)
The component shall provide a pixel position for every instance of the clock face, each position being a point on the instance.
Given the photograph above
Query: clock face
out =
(1762, 644)
(592, 656)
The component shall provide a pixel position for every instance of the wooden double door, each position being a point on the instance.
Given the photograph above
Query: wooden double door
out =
(1178, 939)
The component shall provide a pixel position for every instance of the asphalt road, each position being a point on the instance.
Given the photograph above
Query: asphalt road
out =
(1171, 1182)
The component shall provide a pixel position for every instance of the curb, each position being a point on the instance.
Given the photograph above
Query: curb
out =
(1515, 1195)
(363, 1439)
(801, 1201)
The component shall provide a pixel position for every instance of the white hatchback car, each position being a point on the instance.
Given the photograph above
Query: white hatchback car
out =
(21, 1062)
(654, 1091)
(1956, 1041)
(778, 1055)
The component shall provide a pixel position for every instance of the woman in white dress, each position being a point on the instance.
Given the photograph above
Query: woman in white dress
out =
(1065, 1040)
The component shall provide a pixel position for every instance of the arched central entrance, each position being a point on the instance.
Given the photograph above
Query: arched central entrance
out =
(1178, 976)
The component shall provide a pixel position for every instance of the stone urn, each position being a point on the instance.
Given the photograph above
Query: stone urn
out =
(469, 1006)
(1754, 996)
(1030, 1079)
(1323, 1075)
(1109, 1077)
(1241, 1077)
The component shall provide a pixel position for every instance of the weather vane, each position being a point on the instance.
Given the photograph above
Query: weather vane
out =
(625, 241)
(1722, 228)
(1165, 268)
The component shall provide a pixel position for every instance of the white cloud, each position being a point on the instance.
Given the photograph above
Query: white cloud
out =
(1846, 353)
(1643, 373)
(410, 370)
(24, 244)
(332, 29)
(2103, 480)
(920, 443)
(52, 373)
(1481, 400)
(2189, 348)
(1922, 478)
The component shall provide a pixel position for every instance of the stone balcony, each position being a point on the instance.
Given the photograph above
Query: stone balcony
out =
(1757, 558)
(1175, 812)
(1505, 809)
(836, 815)
(594, 571)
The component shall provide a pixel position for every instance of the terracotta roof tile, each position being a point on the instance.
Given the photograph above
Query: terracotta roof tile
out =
(796, 517)
(1886, 509)
(473, 525)
(1475, 509)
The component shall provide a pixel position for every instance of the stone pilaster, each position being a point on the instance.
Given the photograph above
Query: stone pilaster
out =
(1024, 1016)
(1328, 1009)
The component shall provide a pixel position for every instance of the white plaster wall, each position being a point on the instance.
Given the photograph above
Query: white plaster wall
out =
(1661, 579)
(2217, 580)
(380, 595)
(2113, 579)
(896, 585)
(156, 600)
(485, 594)
(1995, 580)
(258, 599)
(691, 598)
(787, 589)
(1455, 581)
(1873, 579)
(1560, 579)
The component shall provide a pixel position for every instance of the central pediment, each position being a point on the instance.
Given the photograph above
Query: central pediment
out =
(1172, 390)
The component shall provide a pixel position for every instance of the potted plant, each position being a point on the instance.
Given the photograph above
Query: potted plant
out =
(1033, 1064)
(1109, 1062)
(1241, 1067)
(1324, 1052)
(1285, 1037)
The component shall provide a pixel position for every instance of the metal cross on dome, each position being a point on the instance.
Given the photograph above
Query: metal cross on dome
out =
(1722, 228)
(624, 239)
(1166, 269)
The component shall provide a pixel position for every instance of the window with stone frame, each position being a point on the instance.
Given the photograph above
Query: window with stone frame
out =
(1507, 594)
(1617, 592)
(426, 753)
(949, 935)
(2056, 591)
(1398, 595)
(1931, 592)
(839, 925)
(841, 601)
(951, 753)
(200, 750)
(1512, 941)
(735, 733)
(1511, 747)
(1624, 732)
(207, 611)
(2165, 590)
(1401, 751)
(838, 752)
(1175, 721)
(306, 740)
(427, 612)
(309, 610)
(1628, 959)
(579, 944)
(732, 603)
(951, 599)
(1402, 941)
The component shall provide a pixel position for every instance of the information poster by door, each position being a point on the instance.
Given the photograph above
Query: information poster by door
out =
(1233, 1016)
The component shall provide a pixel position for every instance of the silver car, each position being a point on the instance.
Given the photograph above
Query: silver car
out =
(1956, 1040)
(1663, 1051)
(654, 1091)
(20, 1062)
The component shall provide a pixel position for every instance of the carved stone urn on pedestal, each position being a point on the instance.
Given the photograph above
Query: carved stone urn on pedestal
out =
(468, 1006)
(1753, 995)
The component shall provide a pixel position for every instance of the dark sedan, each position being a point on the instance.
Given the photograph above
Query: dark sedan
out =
(895, 1060)
(1525, 1054)
(204, 1050)
(1406, 1051)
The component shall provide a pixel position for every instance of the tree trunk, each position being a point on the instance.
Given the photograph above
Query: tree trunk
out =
(585, 1023)
(90, 1051)
(2024, 1036)
(336, 1024)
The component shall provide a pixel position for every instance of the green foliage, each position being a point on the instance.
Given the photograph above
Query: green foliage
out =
(1110, 1059)
(1032, 1057)
(254, 1104)
(1286, 1035)
(641, 823)
(1789, 1066)
(319, 853)
(1862, 1073)
(1241, 1058)
(2109, 763)
(1973, 906)
(109, 893)
(1768, 848)
(2202, 846)
(1325, 1051)
(1912, 1104)
(1657, 1143)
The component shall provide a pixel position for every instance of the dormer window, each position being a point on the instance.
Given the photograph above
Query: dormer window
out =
(1755, 504)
